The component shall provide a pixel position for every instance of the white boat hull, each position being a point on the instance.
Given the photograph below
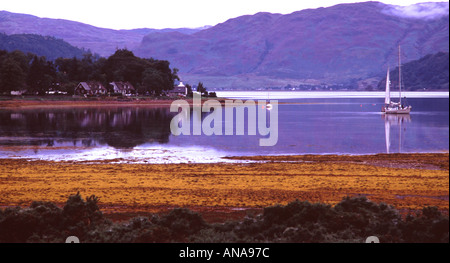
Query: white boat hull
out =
(397, 110)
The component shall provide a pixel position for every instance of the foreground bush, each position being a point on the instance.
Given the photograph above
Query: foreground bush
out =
(45, 222)
(351, 220)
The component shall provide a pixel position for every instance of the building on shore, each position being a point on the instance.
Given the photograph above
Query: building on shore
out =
(90, 88)
(179, 90)
(125, 88)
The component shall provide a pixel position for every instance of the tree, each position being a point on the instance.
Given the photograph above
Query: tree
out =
(152, 81)
(38, 75)
(168, 75)
(12, 76)
(13, 70)
(41, 76)
(189, 90)
(202, 89)
(124, 66)
(175, 75)
(148, 75)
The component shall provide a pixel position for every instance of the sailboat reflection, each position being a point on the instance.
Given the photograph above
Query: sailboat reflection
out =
(394, 120)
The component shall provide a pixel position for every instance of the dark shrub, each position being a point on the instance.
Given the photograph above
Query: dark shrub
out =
(182, 222)
(431, 212)
(439, 230)
(296, 213)
(46, 222)
(17, 225)
(78, 211)
(352, 220)
(359, 205)
(431, 227)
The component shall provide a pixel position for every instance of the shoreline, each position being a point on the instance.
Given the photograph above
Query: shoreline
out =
(228, 190)
(12, 102)
(395, 159)
(286, 158)
(94, 102)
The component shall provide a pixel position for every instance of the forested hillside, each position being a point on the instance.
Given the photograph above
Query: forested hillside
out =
(428, 73)
(46, 46)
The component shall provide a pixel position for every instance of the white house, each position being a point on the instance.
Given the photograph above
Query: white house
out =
(179, 90)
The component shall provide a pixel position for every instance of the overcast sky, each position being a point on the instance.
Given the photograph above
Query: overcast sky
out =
(128, 14)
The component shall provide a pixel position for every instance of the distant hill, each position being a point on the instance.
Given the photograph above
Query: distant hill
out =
(334, 44)
(428, 73)
(99, 40)
(146, 31)
(49, 47)
(343, 44)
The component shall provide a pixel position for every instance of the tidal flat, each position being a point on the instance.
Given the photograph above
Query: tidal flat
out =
(224, 191)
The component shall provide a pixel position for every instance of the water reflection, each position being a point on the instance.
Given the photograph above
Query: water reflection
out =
(333, 126)
(120, 127)
(394, 121)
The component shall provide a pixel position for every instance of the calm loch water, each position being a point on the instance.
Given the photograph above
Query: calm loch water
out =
(324, 125)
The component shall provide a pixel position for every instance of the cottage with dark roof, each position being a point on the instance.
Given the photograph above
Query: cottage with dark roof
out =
(90, 88)
(125, 88)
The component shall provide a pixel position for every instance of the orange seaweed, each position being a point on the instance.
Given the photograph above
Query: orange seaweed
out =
(155, 187)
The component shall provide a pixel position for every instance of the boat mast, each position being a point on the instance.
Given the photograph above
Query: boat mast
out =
(387, 96)
(399, 75)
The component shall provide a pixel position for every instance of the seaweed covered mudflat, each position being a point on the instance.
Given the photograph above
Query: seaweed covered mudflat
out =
(222, 191)
(398, 198)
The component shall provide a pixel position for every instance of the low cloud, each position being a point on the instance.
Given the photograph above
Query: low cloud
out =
(430, 10)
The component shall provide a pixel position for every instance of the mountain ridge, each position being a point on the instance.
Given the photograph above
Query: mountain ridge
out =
(337, 44)
(340, 44)
(103, 41)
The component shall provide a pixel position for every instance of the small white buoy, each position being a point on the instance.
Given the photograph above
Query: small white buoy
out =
(269, 106)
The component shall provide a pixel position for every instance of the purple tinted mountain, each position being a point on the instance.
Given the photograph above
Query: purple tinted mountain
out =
(341, 44)
(333, 45)
(428, 73)
(99, 40)
(49, 47)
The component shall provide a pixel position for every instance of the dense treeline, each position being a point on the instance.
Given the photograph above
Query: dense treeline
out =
(428, 73)
(351, 220)
(36, 74)
(47, 46)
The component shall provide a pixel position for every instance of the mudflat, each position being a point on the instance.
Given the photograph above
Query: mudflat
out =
(406, 181)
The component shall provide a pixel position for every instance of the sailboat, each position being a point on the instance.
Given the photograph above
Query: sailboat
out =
(391, 107)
